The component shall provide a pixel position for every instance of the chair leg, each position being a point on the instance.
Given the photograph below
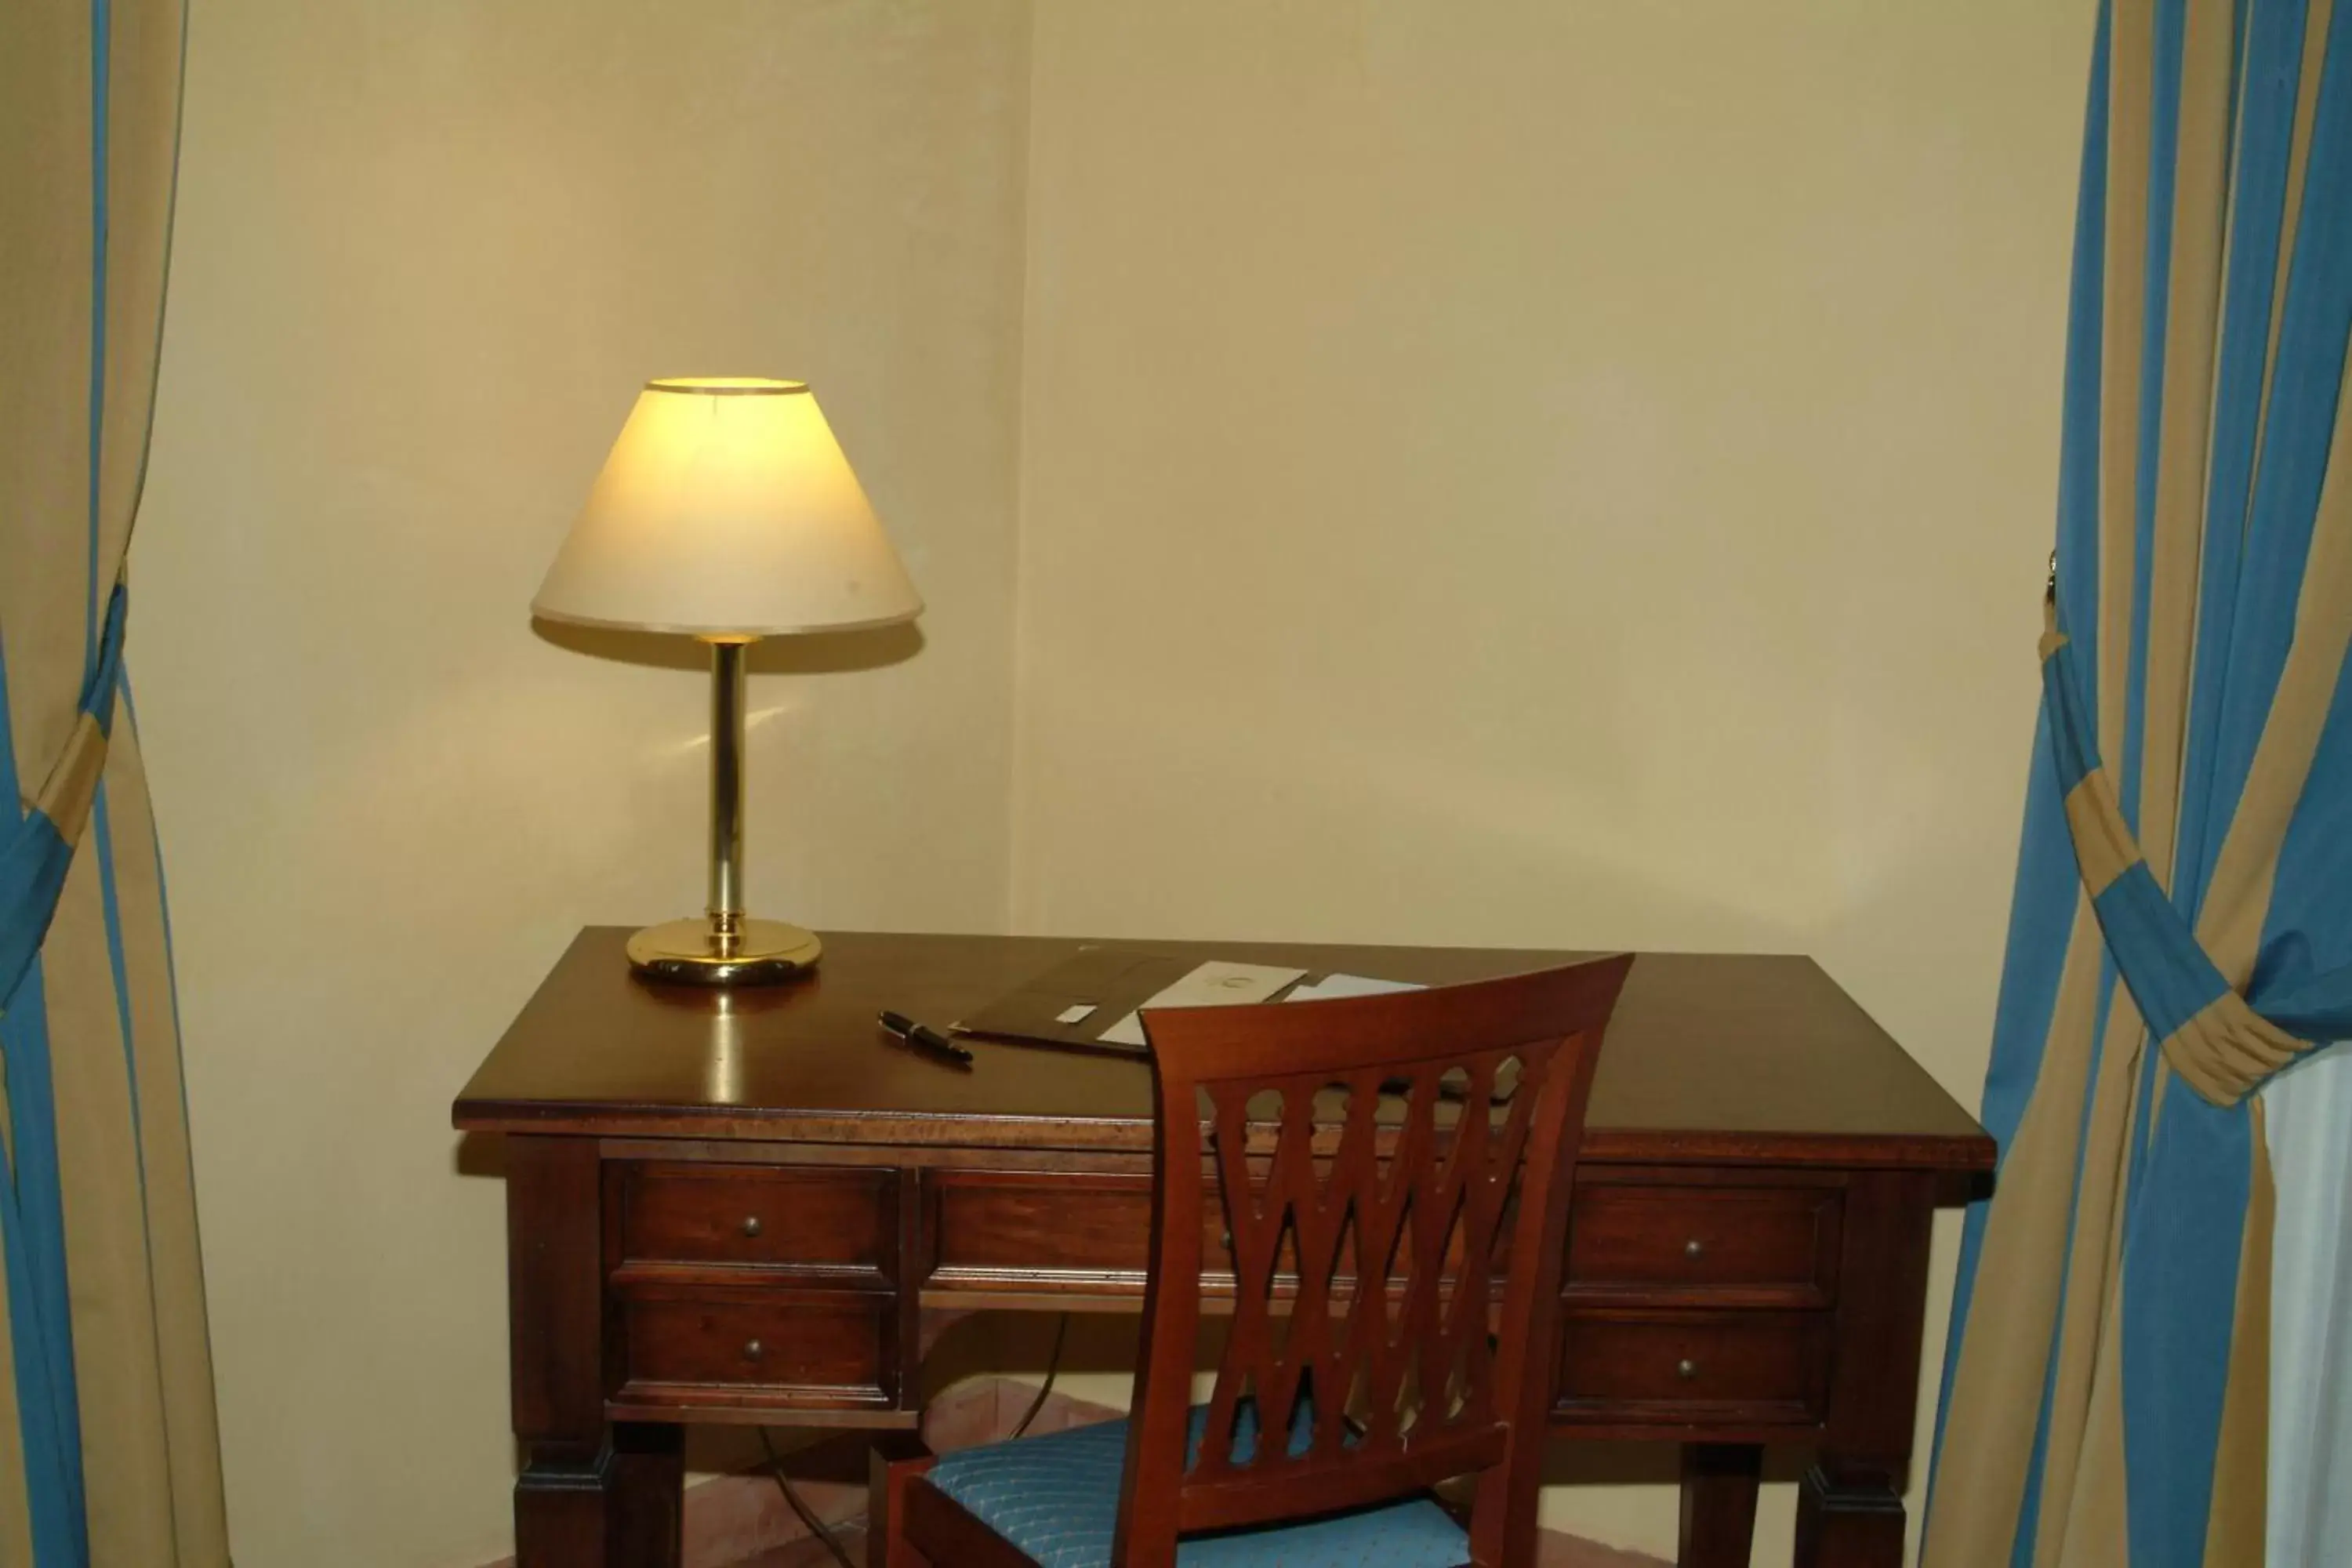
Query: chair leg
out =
(897, 1459)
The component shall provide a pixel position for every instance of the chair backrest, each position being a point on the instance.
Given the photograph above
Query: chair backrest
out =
(1371, 1171)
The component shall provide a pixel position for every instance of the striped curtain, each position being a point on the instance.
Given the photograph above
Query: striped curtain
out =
(108, 1452)
(2181, 933)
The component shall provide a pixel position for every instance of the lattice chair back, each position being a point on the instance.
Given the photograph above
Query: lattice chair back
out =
(1386, 1181)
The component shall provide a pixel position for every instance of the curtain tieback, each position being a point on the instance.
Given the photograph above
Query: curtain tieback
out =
(2210, 1035)
(40, 846)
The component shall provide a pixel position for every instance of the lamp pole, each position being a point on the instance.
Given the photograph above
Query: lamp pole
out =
(726, 905)
(726, 946)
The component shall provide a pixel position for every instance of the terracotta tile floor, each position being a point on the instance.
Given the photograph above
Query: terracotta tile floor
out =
(809, 1553)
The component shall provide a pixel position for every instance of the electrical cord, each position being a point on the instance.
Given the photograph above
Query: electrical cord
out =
(808, 1516)
(817, 1526)
(1053, 1371)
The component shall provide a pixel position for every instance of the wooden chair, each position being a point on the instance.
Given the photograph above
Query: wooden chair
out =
(1372, 1170)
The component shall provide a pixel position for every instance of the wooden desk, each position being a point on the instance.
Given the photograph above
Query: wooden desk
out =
(734, 1207)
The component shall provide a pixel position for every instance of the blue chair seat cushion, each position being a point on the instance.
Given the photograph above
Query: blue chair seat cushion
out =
(1056, 1499)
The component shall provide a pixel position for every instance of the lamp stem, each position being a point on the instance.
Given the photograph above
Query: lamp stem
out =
(725, 946)
(727, 788)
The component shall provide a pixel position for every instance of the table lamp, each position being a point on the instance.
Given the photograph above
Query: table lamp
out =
(726, 512)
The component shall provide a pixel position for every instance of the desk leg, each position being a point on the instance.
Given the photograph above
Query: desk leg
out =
(1849, 1516)
(617, 1507)
(1718, 1504)
(895, 1460)
(592, 1494)
(1850, 1509)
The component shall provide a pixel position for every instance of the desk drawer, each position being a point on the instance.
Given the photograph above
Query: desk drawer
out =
(1016, 1231)
(1743, 1246)
(1750, 1368)
(1029, 1232)
(760, 1346)
(837, 1222)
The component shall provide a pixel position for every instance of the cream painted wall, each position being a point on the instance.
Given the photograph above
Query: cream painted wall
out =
(427, 251)
(1546, 474)
(1496, 472)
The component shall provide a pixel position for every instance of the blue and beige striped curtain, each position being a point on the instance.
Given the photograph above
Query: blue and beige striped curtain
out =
(108, 1451)
(2183, 928)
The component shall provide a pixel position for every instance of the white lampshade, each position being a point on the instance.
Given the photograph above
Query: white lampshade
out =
(726, 509)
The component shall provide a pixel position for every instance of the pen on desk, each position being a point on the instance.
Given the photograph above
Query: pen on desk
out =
(924, 1037)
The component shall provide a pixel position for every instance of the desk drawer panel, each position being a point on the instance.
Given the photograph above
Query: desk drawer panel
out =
(762, 1215)
(816, 1350)
(1007, 1230)
(1026, 1232)
(1748, 1367)
(1732, 1245)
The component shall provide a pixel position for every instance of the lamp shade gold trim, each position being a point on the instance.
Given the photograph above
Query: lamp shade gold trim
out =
(707, 633)
(726, 386)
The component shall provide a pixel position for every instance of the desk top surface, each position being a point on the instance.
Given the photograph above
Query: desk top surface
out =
(1711, 1056)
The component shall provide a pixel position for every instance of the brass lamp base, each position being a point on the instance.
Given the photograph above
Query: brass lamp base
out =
(694, 953)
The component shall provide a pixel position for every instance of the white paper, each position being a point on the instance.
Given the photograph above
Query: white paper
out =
(1214, 984)
(1331, 987)
(1078, 1012)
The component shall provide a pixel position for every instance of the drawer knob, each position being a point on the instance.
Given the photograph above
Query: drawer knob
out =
(754, 1350)
(751, 1226)
(1694, 1248)
(1686, 1369)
